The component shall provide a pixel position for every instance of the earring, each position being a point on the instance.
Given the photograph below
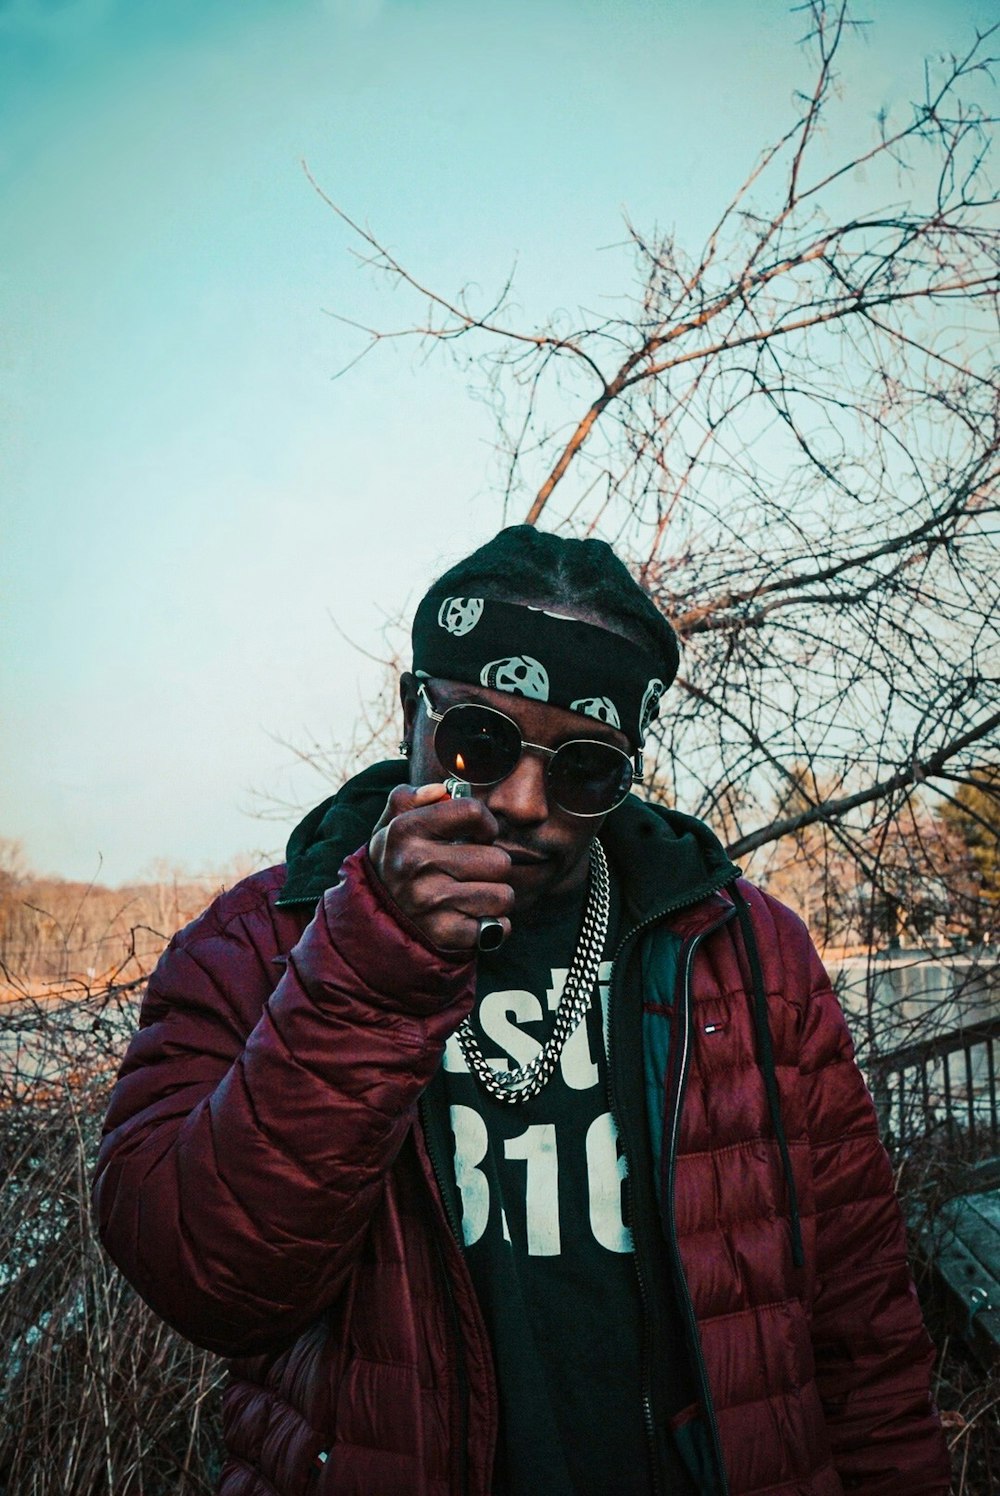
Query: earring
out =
(404, 748)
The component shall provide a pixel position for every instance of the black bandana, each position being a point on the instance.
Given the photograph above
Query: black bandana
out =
(543, 655)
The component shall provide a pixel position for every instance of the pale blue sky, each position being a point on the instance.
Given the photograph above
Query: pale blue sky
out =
(187, 493)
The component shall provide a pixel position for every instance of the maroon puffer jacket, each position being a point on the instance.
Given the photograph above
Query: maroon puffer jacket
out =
(263, 1184)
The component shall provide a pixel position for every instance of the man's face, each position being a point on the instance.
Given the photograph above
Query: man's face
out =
(549, 848)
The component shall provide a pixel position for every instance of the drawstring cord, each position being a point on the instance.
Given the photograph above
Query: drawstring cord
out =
(765, 1057)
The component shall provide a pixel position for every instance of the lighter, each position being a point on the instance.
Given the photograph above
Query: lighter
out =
(491, 934)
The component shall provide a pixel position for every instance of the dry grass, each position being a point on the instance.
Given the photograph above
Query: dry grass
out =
(970, 1407)
(940, 1168)
(100, 1399)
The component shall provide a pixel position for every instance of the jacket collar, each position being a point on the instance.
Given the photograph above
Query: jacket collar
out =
(667, 862)
(669, 865)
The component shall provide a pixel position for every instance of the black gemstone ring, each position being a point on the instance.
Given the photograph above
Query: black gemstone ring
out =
(491, 934)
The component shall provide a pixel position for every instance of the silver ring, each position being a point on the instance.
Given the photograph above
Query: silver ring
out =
(491, 934)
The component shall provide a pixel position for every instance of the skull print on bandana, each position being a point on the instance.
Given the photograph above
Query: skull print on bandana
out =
(459, 615)
(543, 655)
(598, 707)
(519, 674)
(650, 704)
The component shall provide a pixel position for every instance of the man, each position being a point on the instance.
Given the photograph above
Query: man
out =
(505, 1139)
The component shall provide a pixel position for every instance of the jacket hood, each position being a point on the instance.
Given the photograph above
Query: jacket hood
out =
(665, 860)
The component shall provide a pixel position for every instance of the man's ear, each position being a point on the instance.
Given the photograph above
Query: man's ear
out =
(408, 685)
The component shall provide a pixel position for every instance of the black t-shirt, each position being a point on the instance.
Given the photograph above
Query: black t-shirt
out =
(541, 1186)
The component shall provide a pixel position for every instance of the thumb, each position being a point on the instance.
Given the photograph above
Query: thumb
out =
(408, 797)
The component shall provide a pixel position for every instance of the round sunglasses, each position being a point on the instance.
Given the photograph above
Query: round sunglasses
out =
(584, 777)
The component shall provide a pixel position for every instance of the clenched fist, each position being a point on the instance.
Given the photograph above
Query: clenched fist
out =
(437, 860)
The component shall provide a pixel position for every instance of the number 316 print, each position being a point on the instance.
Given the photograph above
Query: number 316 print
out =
(537, 1148)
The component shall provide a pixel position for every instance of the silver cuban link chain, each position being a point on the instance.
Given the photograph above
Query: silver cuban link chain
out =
(521, 1083)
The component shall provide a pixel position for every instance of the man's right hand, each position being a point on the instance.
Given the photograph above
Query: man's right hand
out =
(436, 858)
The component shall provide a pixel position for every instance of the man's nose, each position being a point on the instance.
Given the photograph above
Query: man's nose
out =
(521, 798)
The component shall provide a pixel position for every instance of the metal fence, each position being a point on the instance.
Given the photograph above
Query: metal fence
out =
(947, 1082)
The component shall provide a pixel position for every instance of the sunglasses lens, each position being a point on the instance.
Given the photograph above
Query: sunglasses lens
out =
(483, 746)
(589, 778)
(477, 744)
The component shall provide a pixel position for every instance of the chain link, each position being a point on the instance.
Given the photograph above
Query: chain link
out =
(523, 1082)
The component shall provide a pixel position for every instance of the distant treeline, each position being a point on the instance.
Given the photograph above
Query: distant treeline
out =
(54, 931)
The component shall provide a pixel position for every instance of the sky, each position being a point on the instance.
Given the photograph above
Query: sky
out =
(196, 504)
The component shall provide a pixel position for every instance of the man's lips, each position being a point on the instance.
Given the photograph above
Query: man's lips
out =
(522, 858)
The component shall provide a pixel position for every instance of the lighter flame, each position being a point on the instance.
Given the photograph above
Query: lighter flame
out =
(459, 762)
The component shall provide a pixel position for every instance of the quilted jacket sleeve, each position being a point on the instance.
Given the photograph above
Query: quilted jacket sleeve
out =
(250, 1131)
(873, 1355)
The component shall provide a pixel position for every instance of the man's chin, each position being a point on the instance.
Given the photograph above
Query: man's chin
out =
(535, 882)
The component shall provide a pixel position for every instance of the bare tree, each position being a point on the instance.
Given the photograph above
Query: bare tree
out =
(793, 435)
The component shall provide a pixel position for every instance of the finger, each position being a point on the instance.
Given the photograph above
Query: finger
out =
(425, 875)
(485, 901)
(464, 862)
(475, 900)
(456, 820)
(457, 932)
(441, 819)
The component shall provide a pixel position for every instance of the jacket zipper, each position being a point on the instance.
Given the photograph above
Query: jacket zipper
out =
(644, 1369)
(689, 1315)
(687, 1305)
(439, 1175)
(456, 1230)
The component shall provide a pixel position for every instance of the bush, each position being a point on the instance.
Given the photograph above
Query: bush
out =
(102, 1399)
(99, 1397)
